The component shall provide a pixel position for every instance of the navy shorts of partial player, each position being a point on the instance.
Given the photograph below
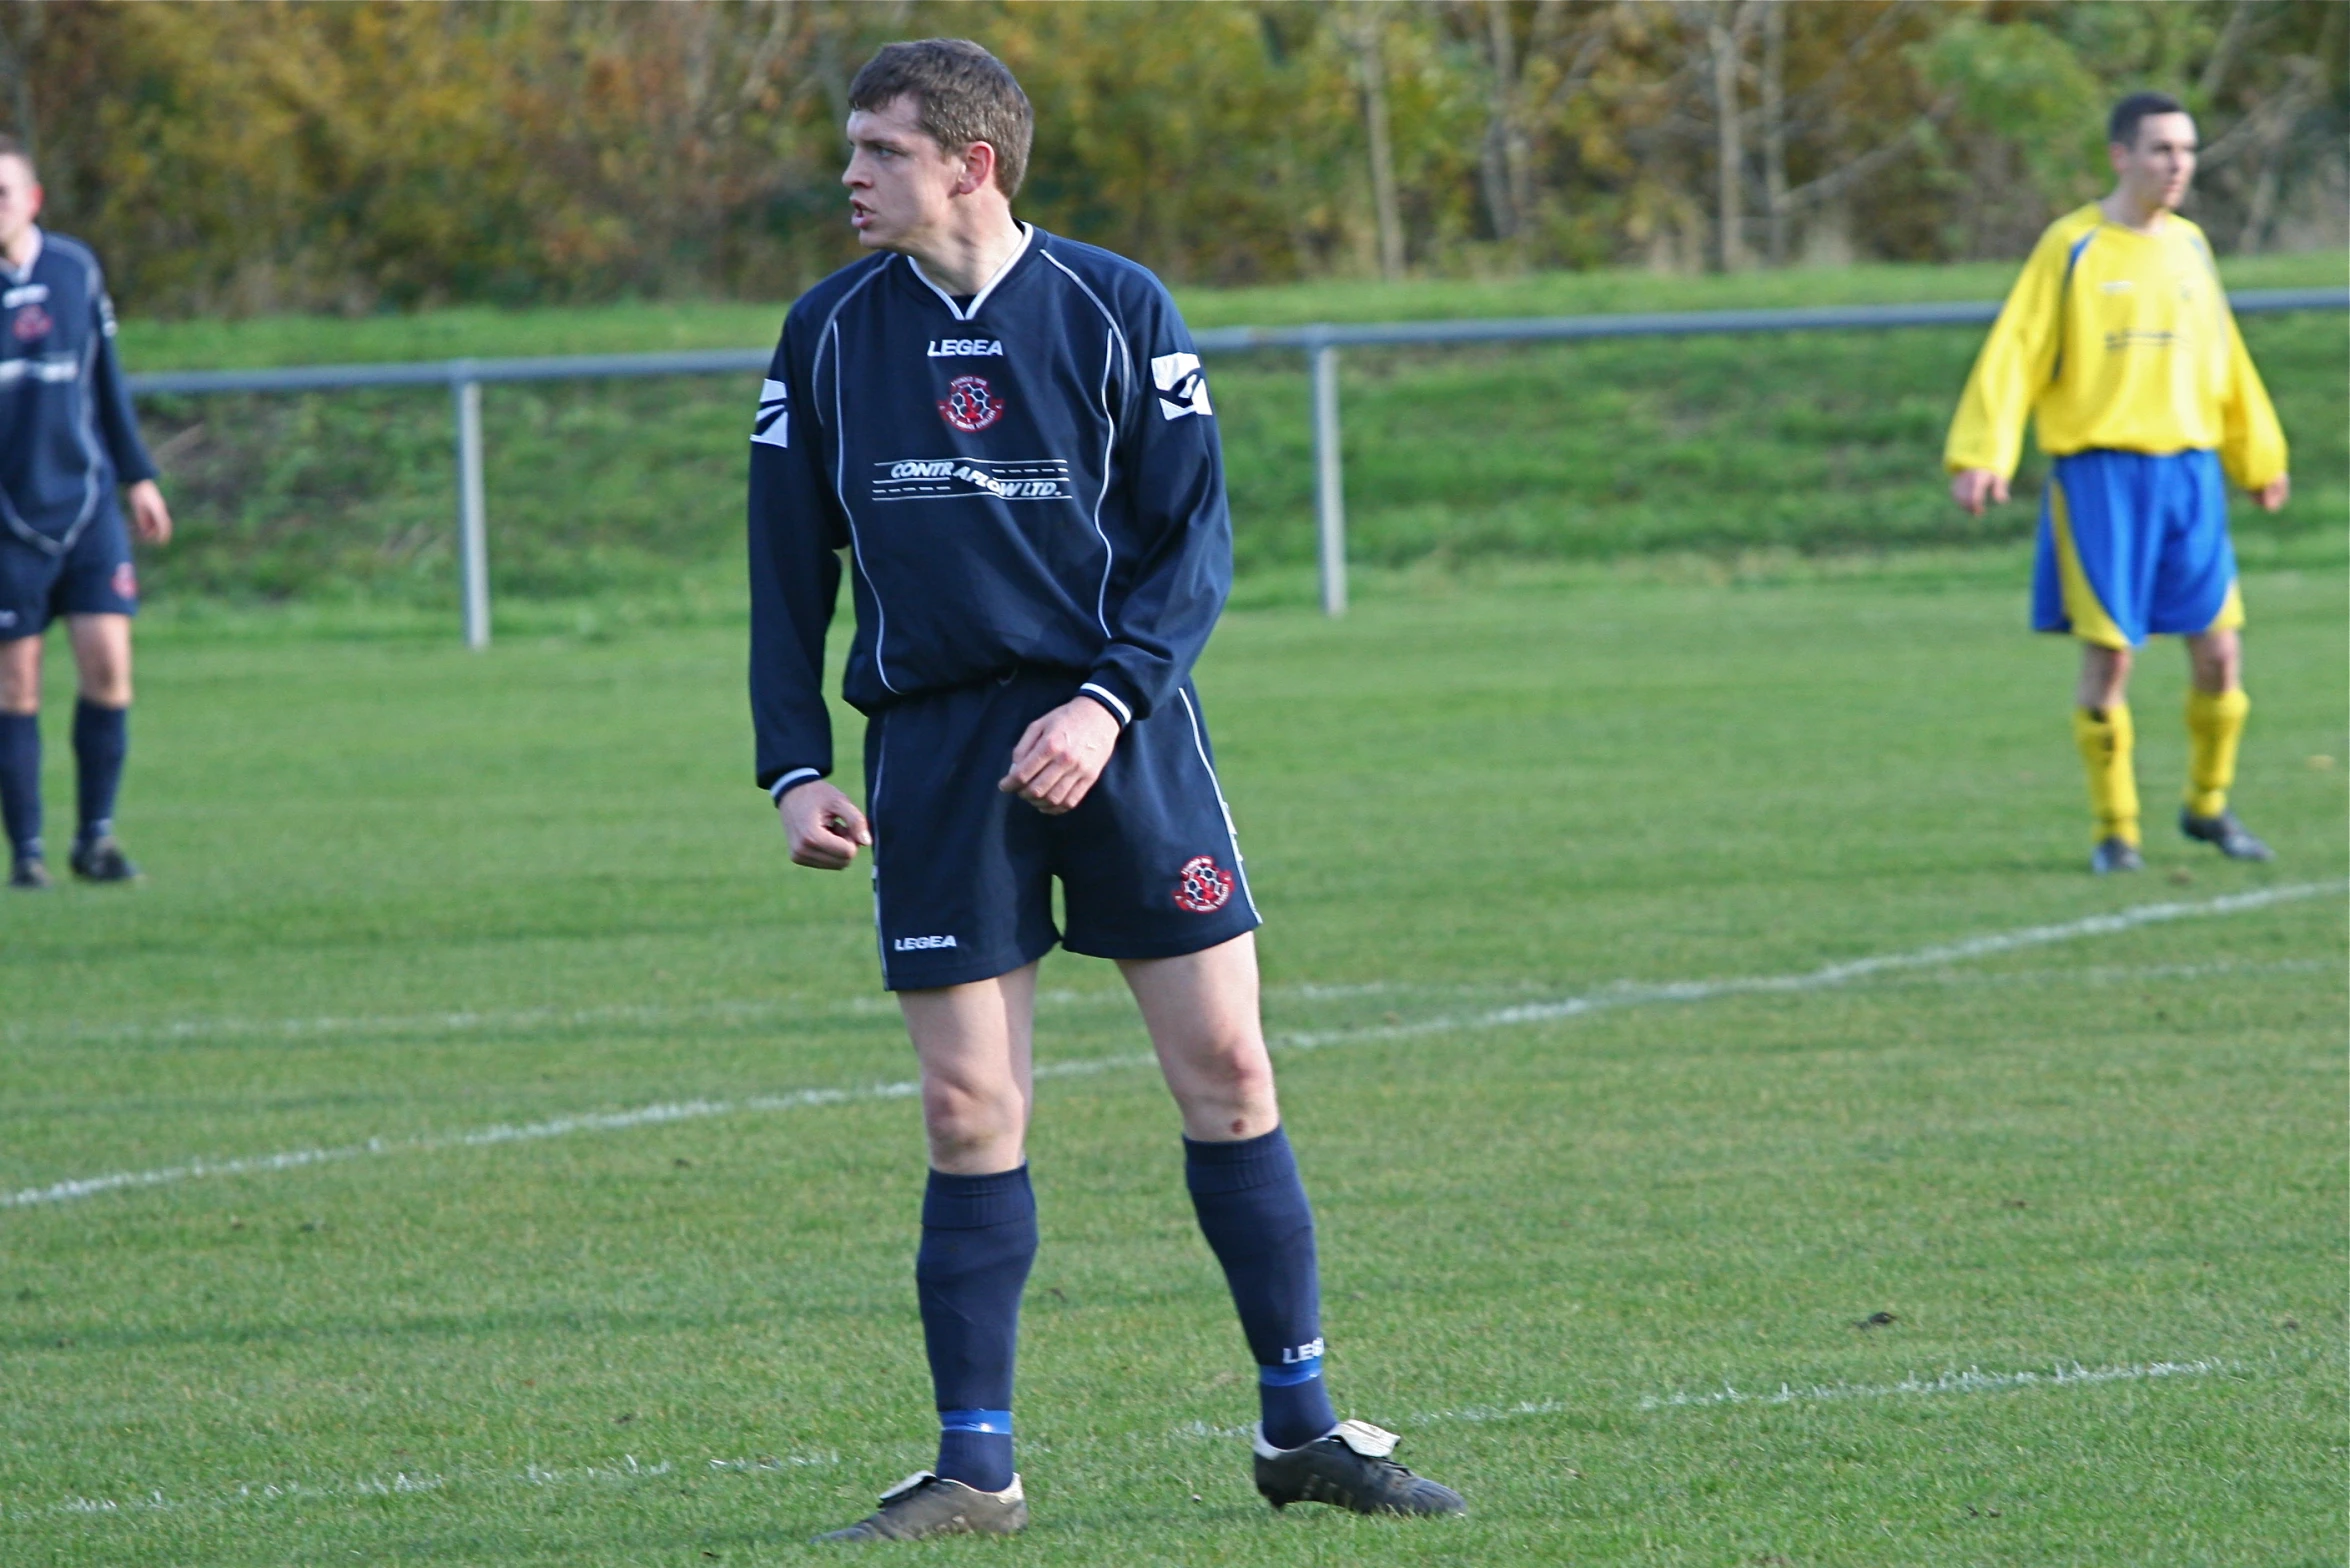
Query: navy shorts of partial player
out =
(2133, 545)
(89, 574)
(963, 873)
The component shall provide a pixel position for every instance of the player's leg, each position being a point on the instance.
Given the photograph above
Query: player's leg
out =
(101, 740)
(978, 1243)
(98, 592)
(2094, 579)
(1201, 1010)
(20, 759)
(1153, 879)
(2217, 709)
(963, 905)
(2199, 598)
(978, 1213)
(2107, 740)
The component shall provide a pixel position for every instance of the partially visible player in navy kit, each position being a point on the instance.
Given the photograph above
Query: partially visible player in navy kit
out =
(67, 438)
(1008, 435)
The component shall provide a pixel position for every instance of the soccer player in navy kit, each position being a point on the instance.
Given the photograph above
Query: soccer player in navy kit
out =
(67, 437)
(1009, 437)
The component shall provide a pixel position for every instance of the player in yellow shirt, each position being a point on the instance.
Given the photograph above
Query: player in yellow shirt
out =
(2119, 340)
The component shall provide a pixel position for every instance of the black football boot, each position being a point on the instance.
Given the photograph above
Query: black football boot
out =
(2224, 833)
(1350, 1469)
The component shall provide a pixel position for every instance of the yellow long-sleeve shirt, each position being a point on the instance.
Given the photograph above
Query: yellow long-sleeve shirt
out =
(2116, 339)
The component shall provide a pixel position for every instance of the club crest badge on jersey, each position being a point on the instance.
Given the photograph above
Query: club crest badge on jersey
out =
(970, 404)
(1202, 887)
(31, 322)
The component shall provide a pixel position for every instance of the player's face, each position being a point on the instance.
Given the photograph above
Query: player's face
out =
(2156, 170)
(20, 199)
(901, 182)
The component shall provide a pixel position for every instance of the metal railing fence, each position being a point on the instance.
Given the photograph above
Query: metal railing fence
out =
(1320, 343)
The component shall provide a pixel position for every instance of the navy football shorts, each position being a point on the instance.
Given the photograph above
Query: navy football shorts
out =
(93, 577)
(963, 873)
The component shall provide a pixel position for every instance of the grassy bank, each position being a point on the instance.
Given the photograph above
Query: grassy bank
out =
(1806, 444)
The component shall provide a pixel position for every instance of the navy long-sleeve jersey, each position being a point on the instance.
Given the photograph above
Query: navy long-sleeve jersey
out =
(67, 432)
(1029, 479)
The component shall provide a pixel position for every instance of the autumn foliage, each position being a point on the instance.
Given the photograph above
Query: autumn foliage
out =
(279, 156)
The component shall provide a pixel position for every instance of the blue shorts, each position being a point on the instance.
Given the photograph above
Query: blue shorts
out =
(2133, 545)
(963, 873)
(93, 576)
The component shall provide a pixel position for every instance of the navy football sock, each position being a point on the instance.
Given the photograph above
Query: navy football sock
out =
(1252, 1208)
(101, 740)
(978, 1240)
(20, 781)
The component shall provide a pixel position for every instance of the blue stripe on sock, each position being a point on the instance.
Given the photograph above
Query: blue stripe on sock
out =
(995, 1421)
(1290, 1376)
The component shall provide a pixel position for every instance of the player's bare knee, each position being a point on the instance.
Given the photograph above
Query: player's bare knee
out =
(1231, 1085)
(962, 1119)
(2215, 661)
(20, 675)
(109, 689)
(1247, 1075)
(2105, 677)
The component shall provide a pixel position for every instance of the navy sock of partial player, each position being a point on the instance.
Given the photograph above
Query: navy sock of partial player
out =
(101, 740)
(1253, 1210)
(978, 1240)
(20, 781)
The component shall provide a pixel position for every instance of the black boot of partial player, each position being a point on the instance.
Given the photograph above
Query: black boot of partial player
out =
(102, 860)
(2224, 833)
(1350, 1469)
(29, 874)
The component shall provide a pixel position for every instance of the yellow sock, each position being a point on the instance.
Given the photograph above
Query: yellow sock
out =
(2106, 740)
(2215, 723)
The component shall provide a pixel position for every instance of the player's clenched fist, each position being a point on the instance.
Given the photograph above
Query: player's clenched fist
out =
(1060, 755)
(824, 826)
(148, 513)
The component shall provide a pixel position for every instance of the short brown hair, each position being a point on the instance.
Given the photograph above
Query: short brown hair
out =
(964, 95)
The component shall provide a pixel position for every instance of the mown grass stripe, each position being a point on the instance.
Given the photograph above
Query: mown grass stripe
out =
(1622, 995)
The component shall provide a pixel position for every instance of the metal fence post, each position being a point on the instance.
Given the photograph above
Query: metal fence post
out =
(1329, 480)
(473, 544)
(1319, 341)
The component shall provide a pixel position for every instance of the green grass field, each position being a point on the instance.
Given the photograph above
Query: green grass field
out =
(591, 1240)
(1830, 442)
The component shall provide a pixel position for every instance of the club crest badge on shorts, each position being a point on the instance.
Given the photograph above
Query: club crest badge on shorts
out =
(126, 581)
(970, 404)
(1202, 886)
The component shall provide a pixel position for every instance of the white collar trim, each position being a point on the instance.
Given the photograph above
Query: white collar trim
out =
(1027, 237)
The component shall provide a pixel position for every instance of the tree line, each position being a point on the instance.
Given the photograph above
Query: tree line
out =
(278, 155)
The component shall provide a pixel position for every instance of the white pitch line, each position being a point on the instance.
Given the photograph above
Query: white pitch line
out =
(519, 1020)
(747, 1010)
(1972, 1381)
(493, 1020)
(1624, 994)
(1643, 993)
(403, 1482)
